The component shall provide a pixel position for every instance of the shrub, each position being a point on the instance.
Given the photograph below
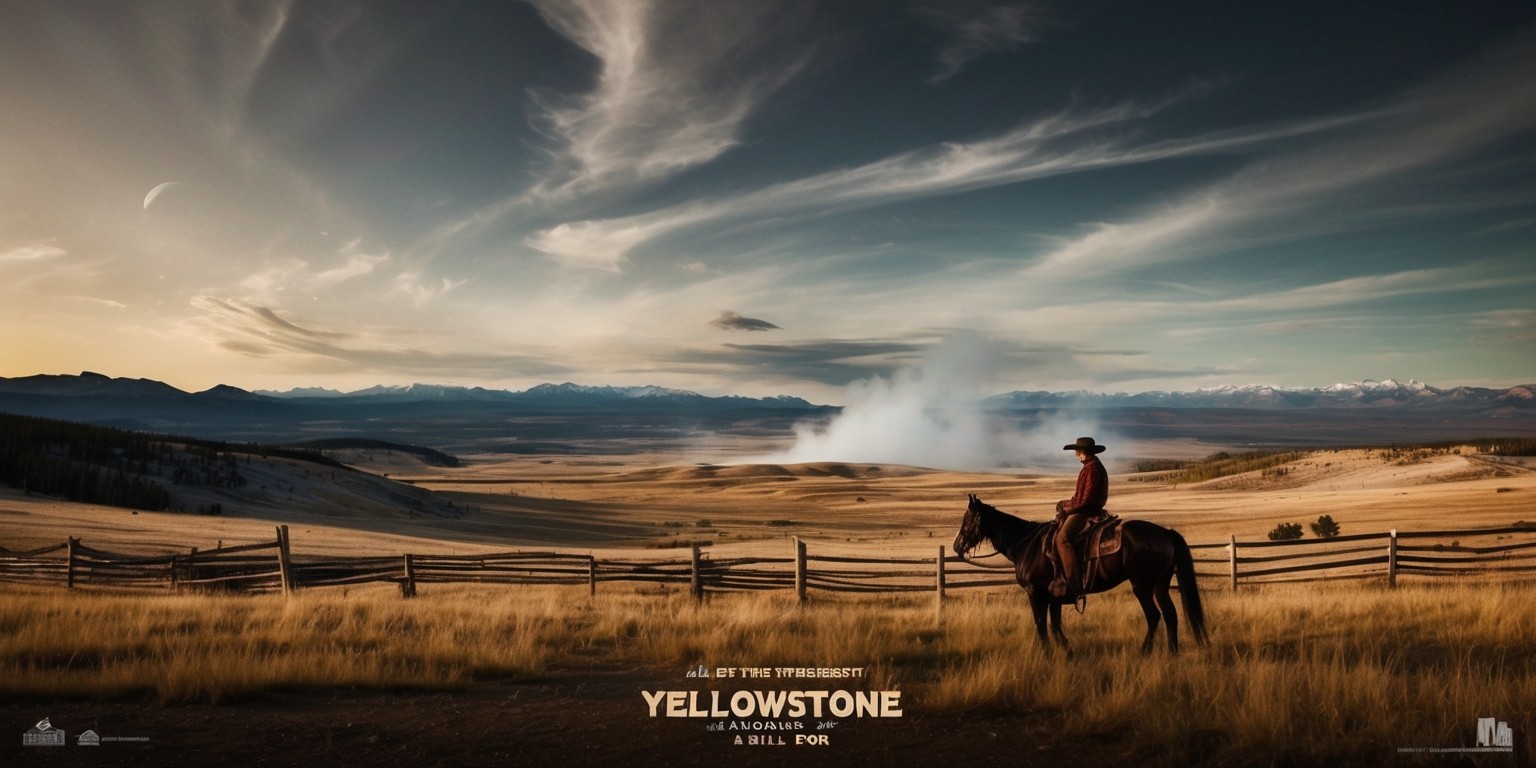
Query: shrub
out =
(1285, 532)
(1325, 527)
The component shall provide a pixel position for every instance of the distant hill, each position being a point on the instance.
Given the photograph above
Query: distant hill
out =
(146, 471)
(427, 455)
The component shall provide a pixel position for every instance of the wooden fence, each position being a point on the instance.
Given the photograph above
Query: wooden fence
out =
(1375, 555)
(271, 566)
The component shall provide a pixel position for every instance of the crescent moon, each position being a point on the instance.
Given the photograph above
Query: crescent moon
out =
(158, 191)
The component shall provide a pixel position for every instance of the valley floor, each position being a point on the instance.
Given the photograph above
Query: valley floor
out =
(639, 505)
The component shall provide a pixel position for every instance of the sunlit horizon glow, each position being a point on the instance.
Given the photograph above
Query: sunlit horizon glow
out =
(754, 197)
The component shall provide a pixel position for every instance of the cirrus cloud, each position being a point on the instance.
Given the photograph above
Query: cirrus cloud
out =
(675, 82)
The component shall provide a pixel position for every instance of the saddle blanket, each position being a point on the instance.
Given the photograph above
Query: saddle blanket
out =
(1103, 538)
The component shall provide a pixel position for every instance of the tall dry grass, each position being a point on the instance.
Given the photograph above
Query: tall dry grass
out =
(1301, 675)
(1305, 674)
(211, 648)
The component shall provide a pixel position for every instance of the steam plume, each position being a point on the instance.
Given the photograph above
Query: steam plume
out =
(932, 415)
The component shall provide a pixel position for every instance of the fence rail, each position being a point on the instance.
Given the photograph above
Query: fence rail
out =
(271, 566)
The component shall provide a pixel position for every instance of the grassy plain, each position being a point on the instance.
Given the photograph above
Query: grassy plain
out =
(637, 504)
(1290, 672)
(1299, 674)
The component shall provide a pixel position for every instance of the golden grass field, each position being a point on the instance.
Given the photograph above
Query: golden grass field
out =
(1295, 674)
(1302, 673)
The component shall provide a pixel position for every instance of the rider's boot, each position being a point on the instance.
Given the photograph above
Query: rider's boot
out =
(1070, 581)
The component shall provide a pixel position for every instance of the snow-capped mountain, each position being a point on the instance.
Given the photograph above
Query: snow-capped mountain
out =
(415, 393)
(569, 390)
(567, 393)
(1359, 394)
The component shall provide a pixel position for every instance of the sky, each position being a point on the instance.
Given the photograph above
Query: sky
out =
(768, 196)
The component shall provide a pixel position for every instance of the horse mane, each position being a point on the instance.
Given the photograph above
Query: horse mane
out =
(1005, 531)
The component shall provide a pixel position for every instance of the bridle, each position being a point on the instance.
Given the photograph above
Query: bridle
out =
(966, 558)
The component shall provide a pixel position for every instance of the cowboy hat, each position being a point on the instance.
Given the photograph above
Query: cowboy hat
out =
(1084, 444)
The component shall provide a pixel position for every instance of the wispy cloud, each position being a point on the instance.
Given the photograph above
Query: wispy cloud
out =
(33, 252)
(1517, 325)
(102, 302)
(1356, 291)
(1349, 175)
(233, 62)
(298, 275)
(1289, 309)
(1066, 142)
(676, 81)
(731, 321)
(976, 29)
(355, 263)
(411, 284)
(256, 330)
(831, 361)
(840, 361)
(1513, 225)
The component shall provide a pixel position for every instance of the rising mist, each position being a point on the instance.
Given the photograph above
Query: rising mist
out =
(933, 415)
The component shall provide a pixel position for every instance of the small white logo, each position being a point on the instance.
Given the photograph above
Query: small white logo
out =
(43, 735)
(88, 739)
(1492, 732)
(1493, 735)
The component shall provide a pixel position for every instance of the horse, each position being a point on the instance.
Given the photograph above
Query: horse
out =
(1149, 557)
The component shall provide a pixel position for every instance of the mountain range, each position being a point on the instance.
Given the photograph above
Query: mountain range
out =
(545, 418)
(573, 418)
(1368, 393)
(89, 384)
(567, 393)
(1363, 394)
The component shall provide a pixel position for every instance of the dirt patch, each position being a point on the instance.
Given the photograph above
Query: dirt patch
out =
(568, 720)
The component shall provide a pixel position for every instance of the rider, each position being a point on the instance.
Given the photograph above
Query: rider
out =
(1088, 500)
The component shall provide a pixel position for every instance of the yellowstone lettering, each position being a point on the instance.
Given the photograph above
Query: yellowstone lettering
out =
(773, 704)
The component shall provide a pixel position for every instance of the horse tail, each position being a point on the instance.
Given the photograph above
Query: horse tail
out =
(1189, 590)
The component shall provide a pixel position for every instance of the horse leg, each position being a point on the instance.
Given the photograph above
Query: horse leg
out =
(1038, 606)
(1061, 637)
(1144, 596)
(1170, 617)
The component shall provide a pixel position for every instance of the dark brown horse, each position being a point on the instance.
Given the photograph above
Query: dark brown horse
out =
(1149, 557)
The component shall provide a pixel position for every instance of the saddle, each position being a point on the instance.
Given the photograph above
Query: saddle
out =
(1099, 538)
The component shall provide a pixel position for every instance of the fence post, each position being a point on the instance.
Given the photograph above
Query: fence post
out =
(191, 569)
(69, 573)
(799, 571)
(1233, 548)
(1392, 558)
(408, 584)
(284, 560)
(698, 575)
(591, 576)
(938, 600)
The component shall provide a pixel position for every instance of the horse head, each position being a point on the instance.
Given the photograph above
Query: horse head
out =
(970, 527)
